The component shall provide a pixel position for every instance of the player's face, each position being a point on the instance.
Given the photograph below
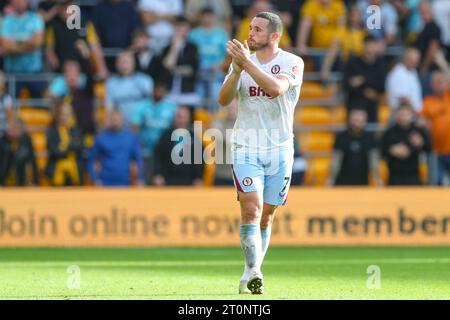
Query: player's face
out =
(259, 36)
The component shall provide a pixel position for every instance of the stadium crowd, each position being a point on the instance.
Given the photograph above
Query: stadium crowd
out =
(126, 73)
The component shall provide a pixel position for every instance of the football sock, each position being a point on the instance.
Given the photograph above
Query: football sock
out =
(250, 235)
(265, 240)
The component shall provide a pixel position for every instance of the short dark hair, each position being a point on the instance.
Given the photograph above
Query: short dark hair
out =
(181, 20)
(369, 38)
(207, 10)
(275, 23)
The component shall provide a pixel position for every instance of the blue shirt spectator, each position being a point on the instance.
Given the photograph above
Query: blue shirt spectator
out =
(58, 87)
(414, 22)
(20, 32)
(129, 88)
(212, 45)
(115, 148)
(152, 118)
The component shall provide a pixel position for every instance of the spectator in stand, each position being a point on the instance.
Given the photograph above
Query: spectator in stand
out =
(288, 12)
(258, 6)
(167, 172)
(49, 10)
(403, 83)
(64, 148)
(71, 77)
(409, 18)
(221, 8)
(114, 151)
(146, 61)
(299, 166)
(16, 155)
(355, 154)
(64, 44)
(321, 21)
(436, 111)
(6, 105)
(441, 13)
(115, 22)
(21, 39)
(181, 59)
(428, 43)
(364, 79)
(128, 88)
(402, 146)
(350, 42)
(211, 41)
(158, 16)
(150, 120)
(78, 89)
(388, 30)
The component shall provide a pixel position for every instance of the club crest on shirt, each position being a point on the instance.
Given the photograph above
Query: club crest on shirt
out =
(247, 181)
(295, 70)
(275, 69)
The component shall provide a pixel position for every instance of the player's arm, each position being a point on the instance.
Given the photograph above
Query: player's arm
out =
(274, 86)
(230, 86)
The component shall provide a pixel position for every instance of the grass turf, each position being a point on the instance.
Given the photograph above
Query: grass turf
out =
(290, 273)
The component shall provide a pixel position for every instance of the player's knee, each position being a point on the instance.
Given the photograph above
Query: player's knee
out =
(251, 212)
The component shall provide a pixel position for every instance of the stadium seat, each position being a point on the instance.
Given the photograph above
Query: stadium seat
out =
(100, 91)
(204, 116)
(315, 90)
(313, 115)
(100, 116)
(39, 141)
(317, 171)
(339, 115)
(35, 116)
(384, 113)
(316, 141)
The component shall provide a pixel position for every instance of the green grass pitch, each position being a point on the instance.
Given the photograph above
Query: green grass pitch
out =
(290, 273)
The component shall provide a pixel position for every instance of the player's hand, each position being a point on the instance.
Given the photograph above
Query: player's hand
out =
(239, 52)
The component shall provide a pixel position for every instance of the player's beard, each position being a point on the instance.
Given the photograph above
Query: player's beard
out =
(253, 46)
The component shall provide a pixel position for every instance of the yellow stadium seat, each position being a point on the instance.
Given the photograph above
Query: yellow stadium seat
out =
(100, 116)
(316, 141)
(100, 91)
(313, 115)
(35, 116)
(316, 90)
(317, 171)
(339, 114)
(384, 113)
(39, 141)
(41, 161)
(204, 116)
(423, 172)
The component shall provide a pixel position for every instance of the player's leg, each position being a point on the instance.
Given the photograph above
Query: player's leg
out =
(276, 188)
(267, 217)
(248, 177)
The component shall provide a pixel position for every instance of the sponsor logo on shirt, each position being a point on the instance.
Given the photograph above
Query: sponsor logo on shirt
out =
(258, 92)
